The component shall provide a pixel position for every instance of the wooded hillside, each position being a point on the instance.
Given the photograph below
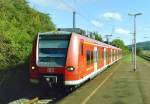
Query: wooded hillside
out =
(19, 24)
(142, 45)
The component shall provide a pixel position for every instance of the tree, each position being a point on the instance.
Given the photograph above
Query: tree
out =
(138, 50)
(96, 36)
(120, 44)
(19, 24)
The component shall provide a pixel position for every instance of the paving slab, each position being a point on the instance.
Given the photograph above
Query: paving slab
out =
(119, 84)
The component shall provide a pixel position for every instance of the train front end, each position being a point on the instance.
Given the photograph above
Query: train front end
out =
(48, 58)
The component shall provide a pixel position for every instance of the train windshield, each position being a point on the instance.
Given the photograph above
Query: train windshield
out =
(52, 50)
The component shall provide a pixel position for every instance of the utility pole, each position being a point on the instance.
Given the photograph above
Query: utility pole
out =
(134, 37)
(74, 13)
(107, 38)
(118, 37)
(145, 37)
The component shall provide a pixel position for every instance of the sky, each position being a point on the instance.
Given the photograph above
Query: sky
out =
(102, 16)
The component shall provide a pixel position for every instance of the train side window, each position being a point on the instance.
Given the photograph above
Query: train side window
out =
(98, 56)
(82, 49)
(106, 55)
(112, 54)
(88, 57)
(95, 58)
(103, 55)
(92, 57)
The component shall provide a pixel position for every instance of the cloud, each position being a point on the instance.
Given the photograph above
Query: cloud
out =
(96, 23)
(121, 31)
(85, 1)
(58, 4)
(112, 16)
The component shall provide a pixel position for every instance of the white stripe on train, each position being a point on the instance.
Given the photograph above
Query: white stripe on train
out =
(90, 76)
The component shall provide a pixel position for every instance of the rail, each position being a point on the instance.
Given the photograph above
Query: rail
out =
(33, 101)
(145, 57)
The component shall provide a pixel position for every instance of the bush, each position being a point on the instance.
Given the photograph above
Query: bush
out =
(19, 24)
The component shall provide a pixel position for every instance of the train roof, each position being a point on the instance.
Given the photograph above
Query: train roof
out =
(98, 42)
(69, 33)
(55, 33)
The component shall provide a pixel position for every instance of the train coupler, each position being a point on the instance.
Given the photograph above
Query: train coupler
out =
(51, 80)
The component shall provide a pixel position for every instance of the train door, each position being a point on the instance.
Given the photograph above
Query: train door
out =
(95, 58)
(104, 56)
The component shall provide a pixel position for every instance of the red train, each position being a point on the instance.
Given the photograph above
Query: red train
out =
(69, 58)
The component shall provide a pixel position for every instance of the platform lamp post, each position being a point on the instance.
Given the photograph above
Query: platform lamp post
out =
(134, 37)
(132, 44)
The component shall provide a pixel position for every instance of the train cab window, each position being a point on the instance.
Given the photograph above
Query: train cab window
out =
(88, 57)
(52, 50)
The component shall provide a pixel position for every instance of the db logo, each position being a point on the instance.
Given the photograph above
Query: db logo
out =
(50, 69)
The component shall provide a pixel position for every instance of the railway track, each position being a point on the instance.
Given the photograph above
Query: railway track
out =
(35, 100)
(145, 57)
(52, 96)
(118, 82)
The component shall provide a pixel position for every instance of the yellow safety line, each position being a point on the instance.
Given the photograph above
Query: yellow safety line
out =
(99, 86)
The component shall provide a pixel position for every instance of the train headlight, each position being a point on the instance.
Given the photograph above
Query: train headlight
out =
(33, 67)
(70, 68)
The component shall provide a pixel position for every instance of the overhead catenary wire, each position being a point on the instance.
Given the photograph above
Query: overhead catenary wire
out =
(88, 20)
